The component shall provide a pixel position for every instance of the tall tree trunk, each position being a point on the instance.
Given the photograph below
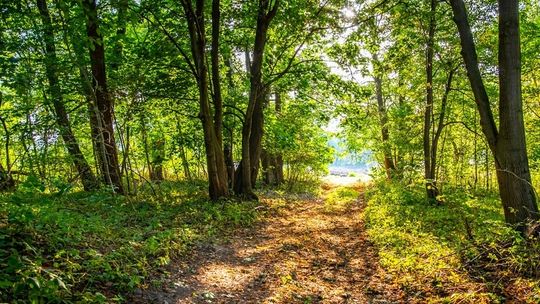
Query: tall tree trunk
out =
(228, 146)
(440, 125)
(86, 91)
(158, 156)
(513, 173)
(102, 98)
(6, 179)
(255, 138)
(433, 140)
(389, 166)
(229, 163)
(508, 144)
(429, 174)
(217, 96)
(88, 179)
(217, 173)
(268, 172)
(244, 185)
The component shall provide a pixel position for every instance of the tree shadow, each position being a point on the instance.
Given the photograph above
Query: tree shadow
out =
(299, 254)
(437, 242)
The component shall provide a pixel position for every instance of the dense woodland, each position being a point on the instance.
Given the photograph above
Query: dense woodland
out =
(133, 131)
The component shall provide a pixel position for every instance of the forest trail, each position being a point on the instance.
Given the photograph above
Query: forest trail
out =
(299, 253)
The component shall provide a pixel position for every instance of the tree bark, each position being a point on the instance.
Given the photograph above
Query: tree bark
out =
(87, 92)
(429, 174)
(6, 179)
(244, 184)
(217, 96)
(513, 173)
(88, 179)
(228, 146)
(268, 172)
(257, 132)
(217, 173)
(440, 125)
(103, 103)
(508, 144)
(389, 165)
(468, 52)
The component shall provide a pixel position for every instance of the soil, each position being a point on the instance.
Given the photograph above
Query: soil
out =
(299, 253)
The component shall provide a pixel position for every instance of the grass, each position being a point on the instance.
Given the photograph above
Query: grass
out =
(339, 198)
(458, 252)
(96, 247)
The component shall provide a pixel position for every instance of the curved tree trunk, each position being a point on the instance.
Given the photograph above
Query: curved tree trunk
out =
(508, 143)
(254, 118)
(215, 160)
(103, 103)
(88, 179)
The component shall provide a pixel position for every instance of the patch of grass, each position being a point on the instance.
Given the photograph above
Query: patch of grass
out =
(96, 247)
(339, 198)
(442, 253)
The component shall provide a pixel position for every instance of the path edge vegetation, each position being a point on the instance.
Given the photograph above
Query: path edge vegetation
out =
(120, 98)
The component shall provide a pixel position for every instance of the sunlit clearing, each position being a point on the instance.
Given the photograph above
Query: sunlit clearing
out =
(226, 276)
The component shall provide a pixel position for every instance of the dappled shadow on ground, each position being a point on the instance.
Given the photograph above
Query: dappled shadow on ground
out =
(301, 253)
(440, 252)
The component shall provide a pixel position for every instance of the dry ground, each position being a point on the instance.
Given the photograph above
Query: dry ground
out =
(300, 253)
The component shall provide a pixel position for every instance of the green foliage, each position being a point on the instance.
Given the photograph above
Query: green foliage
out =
(94, 247)
(447, 246)
(296, 133)
(340, 198)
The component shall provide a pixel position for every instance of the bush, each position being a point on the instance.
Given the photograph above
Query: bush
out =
(339, 198)
(95, 247)
(444, 252)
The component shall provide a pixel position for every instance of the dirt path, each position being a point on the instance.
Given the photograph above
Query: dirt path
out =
(300, 254)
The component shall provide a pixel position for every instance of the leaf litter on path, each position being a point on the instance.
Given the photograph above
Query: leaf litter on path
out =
(300, 254)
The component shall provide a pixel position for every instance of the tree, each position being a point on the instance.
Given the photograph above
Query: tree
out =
(433, 128)
(253, 121)
(272, 162)
(103, 105)
(6, 178)
(88, 179)
(429, 172)
(507, 142)
(215, 160)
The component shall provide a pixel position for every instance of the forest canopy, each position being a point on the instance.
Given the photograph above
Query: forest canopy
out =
(205, 104)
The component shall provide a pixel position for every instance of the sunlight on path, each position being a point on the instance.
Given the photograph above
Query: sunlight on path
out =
(304, 252)
(336, 180)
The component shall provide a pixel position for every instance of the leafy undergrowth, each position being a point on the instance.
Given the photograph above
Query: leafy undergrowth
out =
(96, 247)
(340, 198)
(457, 252)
